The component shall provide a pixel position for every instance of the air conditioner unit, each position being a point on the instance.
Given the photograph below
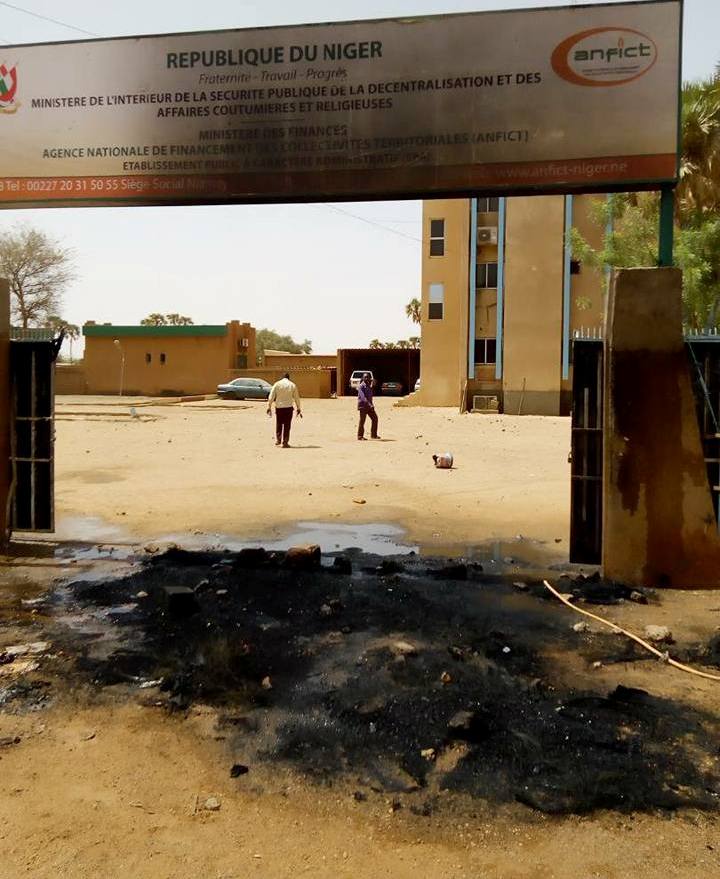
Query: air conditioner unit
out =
(487, 235)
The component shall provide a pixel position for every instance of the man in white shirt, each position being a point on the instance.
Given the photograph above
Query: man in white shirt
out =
(283, 394)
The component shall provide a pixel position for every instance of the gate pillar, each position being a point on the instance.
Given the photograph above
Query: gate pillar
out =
(659, 525)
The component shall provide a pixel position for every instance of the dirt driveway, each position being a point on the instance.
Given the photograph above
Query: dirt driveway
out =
(213, 467)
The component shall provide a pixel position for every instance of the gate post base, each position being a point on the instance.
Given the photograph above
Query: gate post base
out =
(659, 526)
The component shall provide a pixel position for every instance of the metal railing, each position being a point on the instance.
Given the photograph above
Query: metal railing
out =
(31, 334)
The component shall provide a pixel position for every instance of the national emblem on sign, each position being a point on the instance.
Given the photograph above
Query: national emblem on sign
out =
(8, 88)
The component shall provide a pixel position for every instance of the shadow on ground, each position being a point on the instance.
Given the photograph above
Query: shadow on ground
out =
(396, 675)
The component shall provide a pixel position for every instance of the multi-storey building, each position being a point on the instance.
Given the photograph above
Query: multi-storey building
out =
(502, 297)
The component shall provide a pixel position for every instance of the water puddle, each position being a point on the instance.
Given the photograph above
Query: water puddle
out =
(375, 539)
(383, 539)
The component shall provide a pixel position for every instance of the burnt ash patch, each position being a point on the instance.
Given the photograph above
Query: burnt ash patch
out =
(395, 679)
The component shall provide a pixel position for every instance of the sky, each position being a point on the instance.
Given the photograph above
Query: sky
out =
(338, 275)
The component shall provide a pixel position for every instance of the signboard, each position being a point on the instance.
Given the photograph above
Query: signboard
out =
(534, 100)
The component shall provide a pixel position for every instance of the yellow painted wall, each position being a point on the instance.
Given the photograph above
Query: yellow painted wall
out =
(587, 289)
(533, 304)
(300, 361)
(70, 378)
(193, 364)
(443, 355)
(311, 383)
(587, 304)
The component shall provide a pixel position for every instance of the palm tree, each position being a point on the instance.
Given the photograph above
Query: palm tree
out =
(414, 341)
(403, 343)
(70, 331)
(413, 310)
(698, 191)
(72, 334)
(375, 343)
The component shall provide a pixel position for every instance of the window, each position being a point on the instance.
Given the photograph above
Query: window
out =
(485, 351)
(437, 237)
(436, 301)
(574, 267)
(148, 358)
(162, 359)
(241, 361)
(488, 205)
(487, 273)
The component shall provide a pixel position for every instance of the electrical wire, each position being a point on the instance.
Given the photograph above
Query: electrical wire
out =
(664, 657)
(338, 210)
(71, 27)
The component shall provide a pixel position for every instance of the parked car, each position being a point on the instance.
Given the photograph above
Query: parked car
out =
(392, 389)
(417, 385)
(245, 389)
(356, 377)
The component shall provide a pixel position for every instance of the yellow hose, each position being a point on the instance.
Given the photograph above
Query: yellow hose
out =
(663, 656)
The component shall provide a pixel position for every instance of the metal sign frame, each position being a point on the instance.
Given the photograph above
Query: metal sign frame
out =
(401, 181)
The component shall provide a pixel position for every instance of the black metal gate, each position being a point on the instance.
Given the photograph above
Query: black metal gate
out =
(586, 471)
(704, 357)
(32, 440)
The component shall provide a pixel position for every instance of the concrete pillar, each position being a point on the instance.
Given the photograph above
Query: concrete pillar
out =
(5, 473)
(659, 526)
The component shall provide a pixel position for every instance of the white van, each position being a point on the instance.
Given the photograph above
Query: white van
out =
(356, 377)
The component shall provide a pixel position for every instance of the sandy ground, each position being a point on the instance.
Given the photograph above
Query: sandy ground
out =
(99, 786)
(213, 467)
(107, 792)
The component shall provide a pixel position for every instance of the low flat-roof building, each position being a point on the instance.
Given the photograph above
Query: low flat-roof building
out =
(165, 360)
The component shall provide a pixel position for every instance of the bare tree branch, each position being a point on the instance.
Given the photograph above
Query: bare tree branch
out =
(38, 270)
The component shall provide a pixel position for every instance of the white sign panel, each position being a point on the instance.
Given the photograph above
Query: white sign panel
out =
(547, 99)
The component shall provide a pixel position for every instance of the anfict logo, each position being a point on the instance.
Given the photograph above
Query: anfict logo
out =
(604, 56)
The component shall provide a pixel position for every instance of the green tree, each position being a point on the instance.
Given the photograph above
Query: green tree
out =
(631, 220)
(166, 320)
(270, 340)
(154, 320)
(402, 343)
(375, 343)
(413, 310)
(633, 241)
(38, 270)
(178, 320)
(414, 341)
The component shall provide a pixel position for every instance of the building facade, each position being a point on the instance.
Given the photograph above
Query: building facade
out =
(165, 360)
(501, 299)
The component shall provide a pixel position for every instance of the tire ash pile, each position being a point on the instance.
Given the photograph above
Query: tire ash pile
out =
(395, 675)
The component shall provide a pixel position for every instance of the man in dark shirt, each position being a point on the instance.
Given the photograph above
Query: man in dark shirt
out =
(366, 408)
